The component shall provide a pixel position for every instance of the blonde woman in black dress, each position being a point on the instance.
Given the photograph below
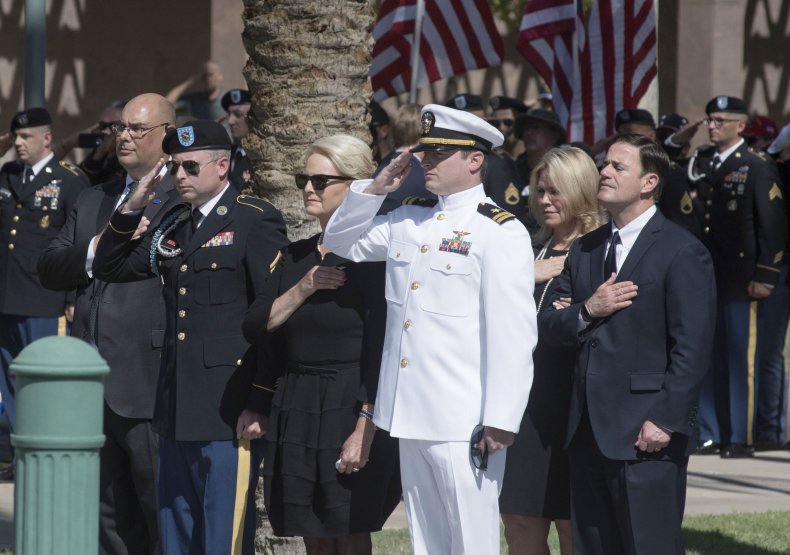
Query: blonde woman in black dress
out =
(329, 476)
(536, 488)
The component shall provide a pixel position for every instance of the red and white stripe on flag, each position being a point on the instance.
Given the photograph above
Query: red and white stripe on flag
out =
(457, 36)
(617, 65)
(545, 39)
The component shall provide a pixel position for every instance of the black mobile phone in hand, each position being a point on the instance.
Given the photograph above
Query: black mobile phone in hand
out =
(90, 140)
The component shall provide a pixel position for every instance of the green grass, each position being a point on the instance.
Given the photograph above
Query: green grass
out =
(732, 534)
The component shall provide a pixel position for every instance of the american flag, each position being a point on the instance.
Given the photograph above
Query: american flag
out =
(546, 40)
(457, 35)
(616, 60)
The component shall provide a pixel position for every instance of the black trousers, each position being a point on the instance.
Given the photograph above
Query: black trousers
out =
(632, 507)
(128, 516)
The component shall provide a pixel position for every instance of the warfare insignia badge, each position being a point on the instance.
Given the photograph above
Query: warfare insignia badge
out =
(186, 135)
(426, 122)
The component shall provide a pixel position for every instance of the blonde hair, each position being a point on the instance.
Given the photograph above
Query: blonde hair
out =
(351, 156)
(573, 173)
(405, 125)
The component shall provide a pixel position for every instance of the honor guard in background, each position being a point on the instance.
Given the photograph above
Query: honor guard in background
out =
(500, 180)
(37, 193)
(460, 321)
(126, 323)
(745, 227)
(236, 103)
(674, 198)
(213, 254)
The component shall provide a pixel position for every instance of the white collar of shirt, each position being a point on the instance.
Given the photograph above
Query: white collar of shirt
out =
(629, 234)
(726, 154)
(462, 198)
(38, 166)
(208, 206)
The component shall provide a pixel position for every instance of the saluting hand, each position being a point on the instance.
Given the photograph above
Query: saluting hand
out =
(392, 176)
(611, 297)
(145, 191)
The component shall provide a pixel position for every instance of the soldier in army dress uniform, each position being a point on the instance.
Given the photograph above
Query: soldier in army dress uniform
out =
(236, 102)
(214, 254)
(37, 193)
(745, 225)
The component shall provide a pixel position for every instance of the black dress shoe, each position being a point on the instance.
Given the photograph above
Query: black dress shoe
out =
(7, 474)
(707, 448)
(737, 451)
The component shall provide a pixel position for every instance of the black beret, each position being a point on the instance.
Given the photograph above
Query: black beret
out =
(466, 102)
(32, 117)
(199, 134)
(634, 115)
(539, 115)
(234, 97)
(378, 115)
(729, 104)
(505, 102)
(672, 121)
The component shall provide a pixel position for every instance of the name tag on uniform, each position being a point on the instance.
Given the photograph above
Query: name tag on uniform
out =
(220, 240)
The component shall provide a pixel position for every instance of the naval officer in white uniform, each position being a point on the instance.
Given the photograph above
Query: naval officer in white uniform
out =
(460, 329)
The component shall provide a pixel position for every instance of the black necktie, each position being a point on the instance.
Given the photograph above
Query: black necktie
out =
(132, 187)
(29, 175)
(716, 162)
(197, 215)
(610, 263)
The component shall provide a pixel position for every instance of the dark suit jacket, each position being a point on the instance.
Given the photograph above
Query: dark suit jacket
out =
(208, 368)
(647, 361)
(131, 316)
(30, 217)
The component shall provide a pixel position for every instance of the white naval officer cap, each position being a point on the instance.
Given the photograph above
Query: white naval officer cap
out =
(446, 128)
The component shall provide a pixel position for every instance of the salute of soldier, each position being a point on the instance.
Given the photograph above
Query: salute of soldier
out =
(214, 254)
(37, 193)
(236, 103)
(460, 321)
(745, 225)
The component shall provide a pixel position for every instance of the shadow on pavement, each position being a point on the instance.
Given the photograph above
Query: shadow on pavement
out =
(715, 543)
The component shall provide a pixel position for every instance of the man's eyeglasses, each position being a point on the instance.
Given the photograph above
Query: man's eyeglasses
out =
(507, 122)
(320, 182)
(479, 458)
(718, 122)
(135, 131)
(191, 167)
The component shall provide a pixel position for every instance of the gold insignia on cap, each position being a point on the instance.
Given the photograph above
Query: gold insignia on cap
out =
(511, 194)
(222, 210)
(686, 206)
(43, 222)
(775, 192)
(426, 122)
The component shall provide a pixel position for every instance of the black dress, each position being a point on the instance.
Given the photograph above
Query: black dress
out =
(330, 354)
(537, 481)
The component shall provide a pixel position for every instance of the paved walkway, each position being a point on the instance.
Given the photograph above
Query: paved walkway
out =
(715, 486)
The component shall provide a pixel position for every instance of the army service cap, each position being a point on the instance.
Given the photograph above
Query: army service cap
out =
(32, 117)
(729, 104)
(466, 102)
(634, 115)
(199, 134)
(446, 128)
(672, 121)
(235, 97)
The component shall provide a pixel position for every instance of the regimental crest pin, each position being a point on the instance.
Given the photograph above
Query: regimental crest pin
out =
(456, 243)
(426, 122)
(186, 136)
(21, 119)
(721, 102)
(235, 96)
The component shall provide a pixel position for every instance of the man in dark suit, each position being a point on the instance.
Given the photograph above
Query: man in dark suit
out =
(126, 322)
(641, 314)
(213, 252)
(37, 193)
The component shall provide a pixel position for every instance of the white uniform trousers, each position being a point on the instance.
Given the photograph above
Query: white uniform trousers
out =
(451, 506)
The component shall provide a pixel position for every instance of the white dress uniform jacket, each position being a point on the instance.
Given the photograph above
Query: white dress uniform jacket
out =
(460, 311)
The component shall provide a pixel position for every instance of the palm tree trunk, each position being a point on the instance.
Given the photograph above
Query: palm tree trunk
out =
(308, 75)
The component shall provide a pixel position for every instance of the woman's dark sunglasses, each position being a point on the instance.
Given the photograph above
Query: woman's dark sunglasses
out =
(191, 167)
(319, 182)
(479, 458)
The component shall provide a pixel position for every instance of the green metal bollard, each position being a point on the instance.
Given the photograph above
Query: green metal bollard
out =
(59, 406)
